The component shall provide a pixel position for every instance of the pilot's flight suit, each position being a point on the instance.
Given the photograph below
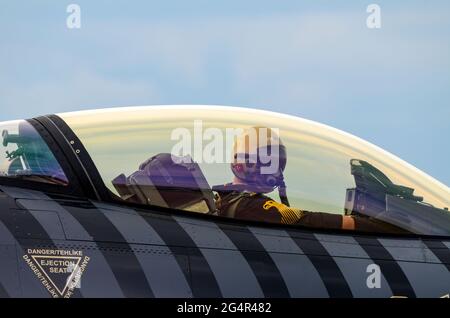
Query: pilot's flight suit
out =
(233, 201)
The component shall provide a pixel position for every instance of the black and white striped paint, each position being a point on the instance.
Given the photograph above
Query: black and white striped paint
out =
(150, 254)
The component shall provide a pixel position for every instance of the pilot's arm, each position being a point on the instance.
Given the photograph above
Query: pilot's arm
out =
(262, 208)
(266, 209)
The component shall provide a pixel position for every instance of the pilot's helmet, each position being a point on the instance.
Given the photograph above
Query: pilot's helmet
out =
(259, 159)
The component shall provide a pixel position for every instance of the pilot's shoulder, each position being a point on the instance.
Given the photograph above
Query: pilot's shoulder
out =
(252, 199)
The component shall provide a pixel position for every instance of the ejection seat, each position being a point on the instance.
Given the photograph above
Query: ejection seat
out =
(168, 181)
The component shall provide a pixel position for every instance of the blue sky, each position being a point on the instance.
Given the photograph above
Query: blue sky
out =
(313, 59)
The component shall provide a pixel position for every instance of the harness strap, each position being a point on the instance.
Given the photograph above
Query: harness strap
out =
(230, 208)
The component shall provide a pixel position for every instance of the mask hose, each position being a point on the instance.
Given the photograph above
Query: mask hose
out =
(282, 193)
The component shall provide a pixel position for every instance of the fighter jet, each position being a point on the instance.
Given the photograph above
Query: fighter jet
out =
(170, 201)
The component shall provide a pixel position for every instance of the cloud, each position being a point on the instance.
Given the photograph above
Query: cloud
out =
(82, 89)
(279, 58)
(322, 64)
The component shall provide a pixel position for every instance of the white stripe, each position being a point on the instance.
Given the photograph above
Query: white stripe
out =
(160, 267)
(353, 261)
(226, 262)
(299, 274)
(427, 280)
(410, 251)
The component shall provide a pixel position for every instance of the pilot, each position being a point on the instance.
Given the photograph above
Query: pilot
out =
(259, 160)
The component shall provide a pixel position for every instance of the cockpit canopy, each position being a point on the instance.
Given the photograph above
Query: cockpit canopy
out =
(173, 156)
(327, 170)
(26, 156)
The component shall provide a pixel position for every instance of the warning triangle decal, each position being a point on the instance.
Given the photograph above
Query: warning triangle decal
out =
(59, 271)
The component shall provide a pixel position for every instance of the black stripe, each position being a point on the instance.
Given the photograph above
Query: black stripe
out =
(21, 223)
(203, 283)
(441, 251)
(114, 247)
(326, 266)
(3, 292)
(391, 270)
(24, 227)
(264, 268)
